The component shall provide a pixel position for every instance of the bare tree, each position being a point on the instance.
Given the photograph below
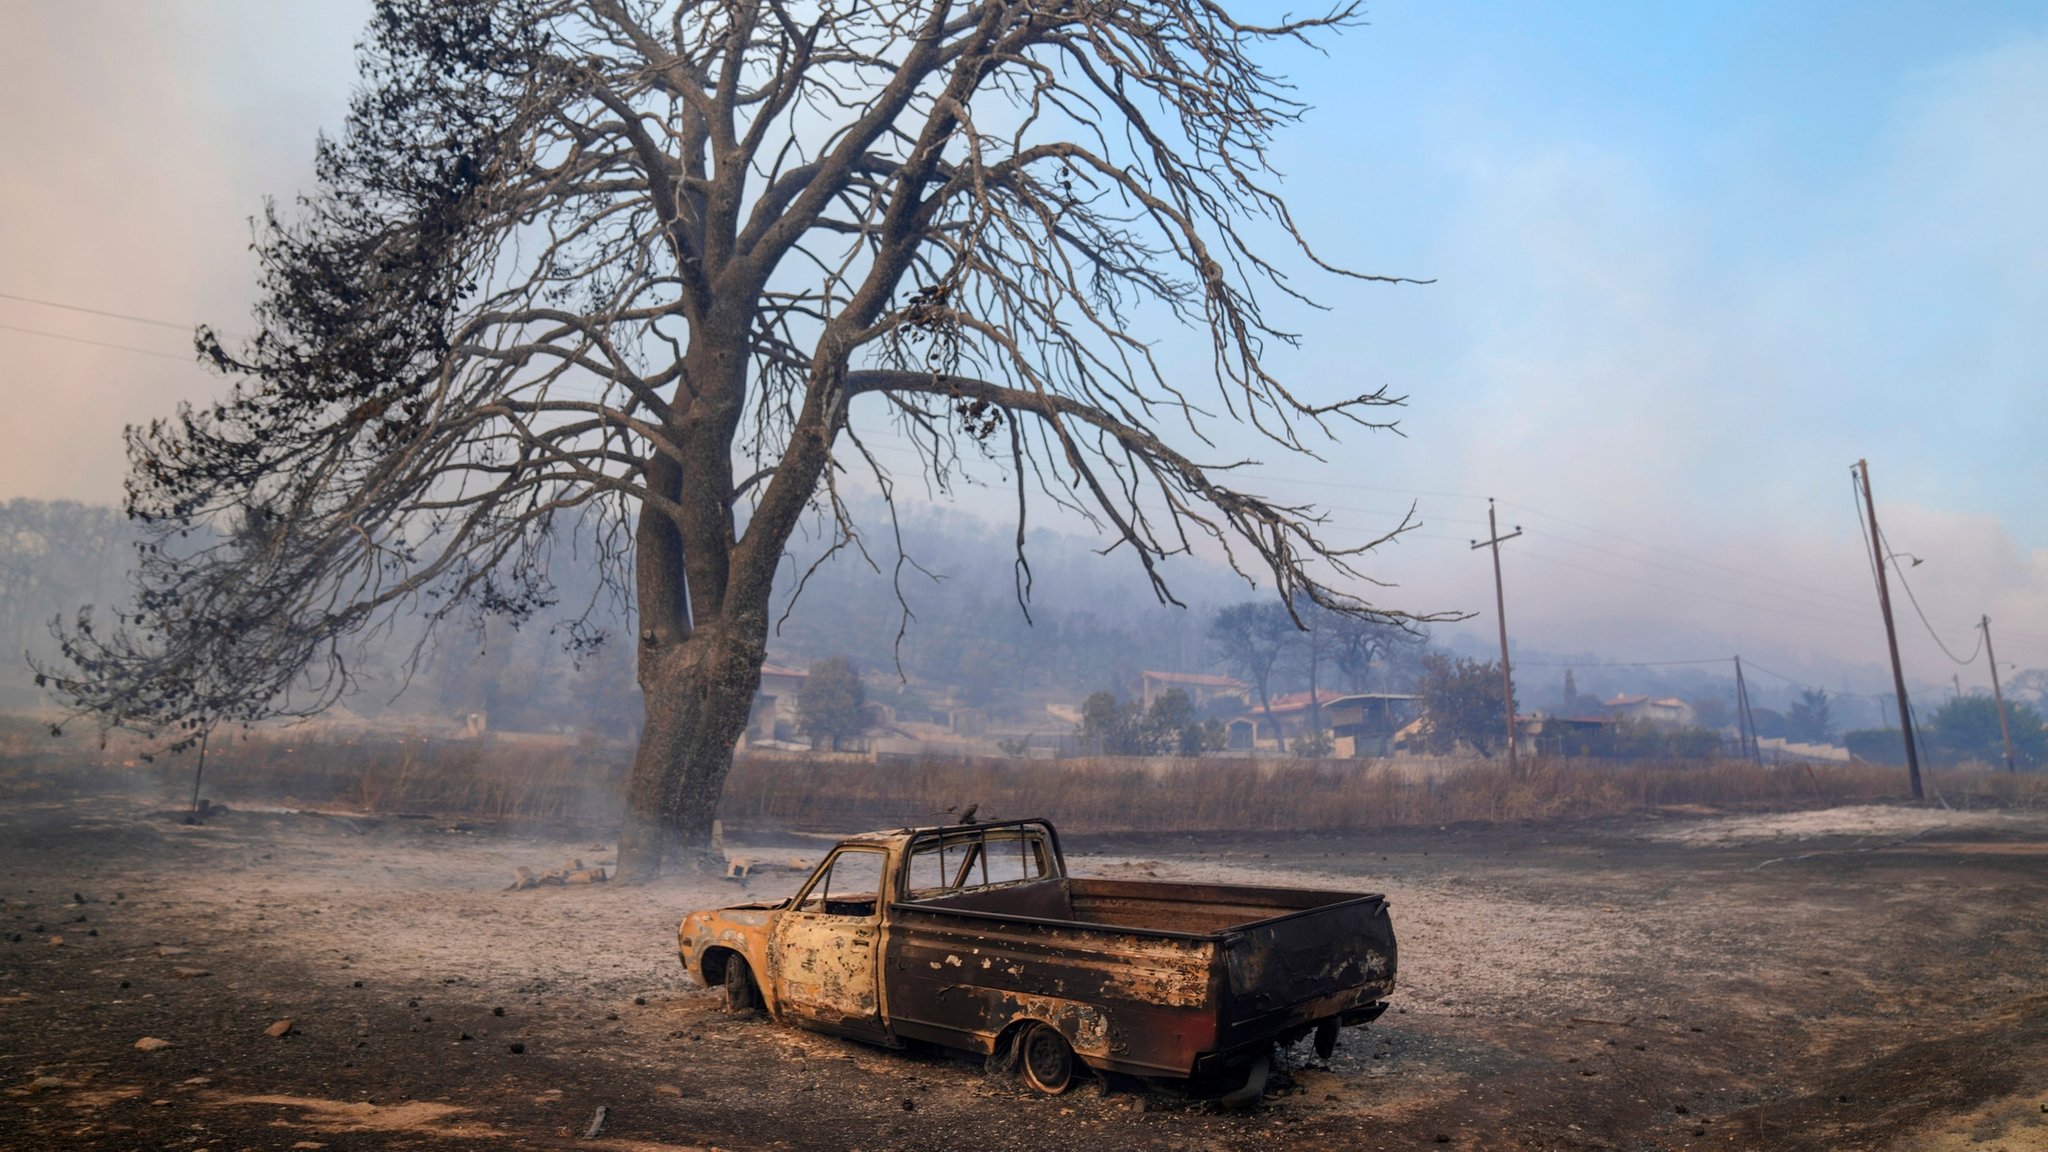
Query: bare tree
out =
(624, 267)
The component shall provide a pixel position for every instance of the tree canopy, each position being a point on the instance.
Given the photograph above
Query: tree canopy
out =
(1461, 704)
(833, 704)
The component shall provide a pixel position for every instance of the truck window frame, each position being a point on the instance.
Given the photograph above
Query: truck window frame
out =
(821, 884)
(1037, 845)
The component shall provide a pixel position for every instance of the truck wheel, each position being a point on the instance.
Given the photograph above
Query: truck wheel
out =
(741, 997)
(1047, 1059)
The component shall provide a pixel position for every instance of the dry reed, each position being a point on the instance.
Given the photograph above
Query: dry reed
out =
(560, 779)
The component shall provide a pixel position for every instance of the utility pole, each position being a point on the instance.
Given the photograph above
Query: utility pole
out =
(1998, 695)
(1745, 720)
(1500, 611)
(1891, 634)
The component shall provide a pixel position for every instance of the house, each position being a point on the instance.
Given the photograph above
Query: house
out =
(1538, 734)
(1360, 723)
(774, 713)
(1669, 712)
(1204, 689)
(1365, 723)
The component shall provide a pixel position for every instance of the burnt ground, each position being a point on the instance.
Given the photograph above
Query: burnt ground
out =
(1841, 979)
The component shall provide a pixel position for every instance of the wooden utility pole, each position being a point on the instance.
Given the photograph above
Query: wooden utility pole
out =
(1998, 695)
(1500, 611)
(1891, 634)
(1745, 720)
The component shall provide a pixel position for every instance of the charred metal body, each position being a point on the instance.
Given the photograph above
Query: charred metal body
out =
(972, 935)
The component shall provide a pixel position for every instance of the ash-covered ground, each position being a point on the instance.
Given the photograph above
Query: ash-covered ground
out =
(1836, 979)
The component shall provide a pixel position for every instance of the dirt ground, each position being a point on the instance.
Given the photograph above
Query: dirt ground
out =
(1841, 979)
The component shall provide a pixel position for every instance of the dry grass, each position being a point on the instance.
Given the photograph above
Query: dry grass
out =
(543, 778)
(1237, 795)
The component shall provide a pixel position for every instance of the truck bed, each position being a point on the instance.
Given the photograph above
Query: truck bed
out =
(1177, 909)
(1156, 978)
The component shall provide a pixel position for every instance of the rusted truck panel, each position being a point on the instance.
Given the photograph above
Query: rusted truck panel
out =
(1252, 965)
(972, 935)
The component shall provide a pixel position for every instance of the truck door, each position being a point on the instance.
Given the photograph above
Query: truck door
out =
(823, 954)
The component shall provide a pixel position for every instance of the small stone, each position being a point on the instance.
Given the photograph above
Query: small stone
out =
(93, 932)
(56, 941)
(190, 973)
(151, 1044)
(1442, 1139)
(279, 1030)
(358, 984)
(1682, 1110)
(167, 950)
(909, 1105)
(196, 1081)
(307, 1146)
(497, 1011)
(640, 1001)
(667, 1090)
(159, 1103)
(518, 1049)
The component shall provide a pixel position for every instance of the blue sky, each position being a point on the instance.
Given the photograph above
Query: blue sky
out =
(1691, 262)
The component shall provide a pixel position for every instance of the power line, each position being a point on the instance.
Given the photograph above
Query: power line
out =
(1915, 602)
(1682, 572)
(1670, 551)
(98, 312)
(1569, 523)
(1617, 663)
(98, 343)
(1688, 592)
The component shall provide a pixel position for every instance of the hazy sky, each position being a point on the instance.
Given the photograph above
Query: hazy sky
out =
(1691, 262)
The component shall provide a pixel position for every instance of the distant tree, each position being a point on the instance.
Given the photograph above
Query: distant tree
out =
(1112, 727)
(1770, 723)
(1357, 644)
(832, 705)
(1635, 739)
(2030, 685)
(1875, 745)
(54, 556)
(1807, 721)
(1253, 639)
(1713, 712)
(1171, 726)
(1461, 703)
(1312, 744)
(1966, 728)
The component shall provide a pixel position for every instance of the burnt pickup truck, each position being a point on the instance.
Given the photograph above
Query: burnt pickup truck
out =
(973, 936)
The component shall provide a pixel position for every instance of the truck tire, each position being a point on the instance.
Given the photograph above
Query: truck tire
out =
(742, 998)
(1046, 1058)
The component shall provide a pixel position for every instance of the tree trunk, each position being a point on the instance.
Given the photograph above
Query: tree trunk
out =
(696, 700)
